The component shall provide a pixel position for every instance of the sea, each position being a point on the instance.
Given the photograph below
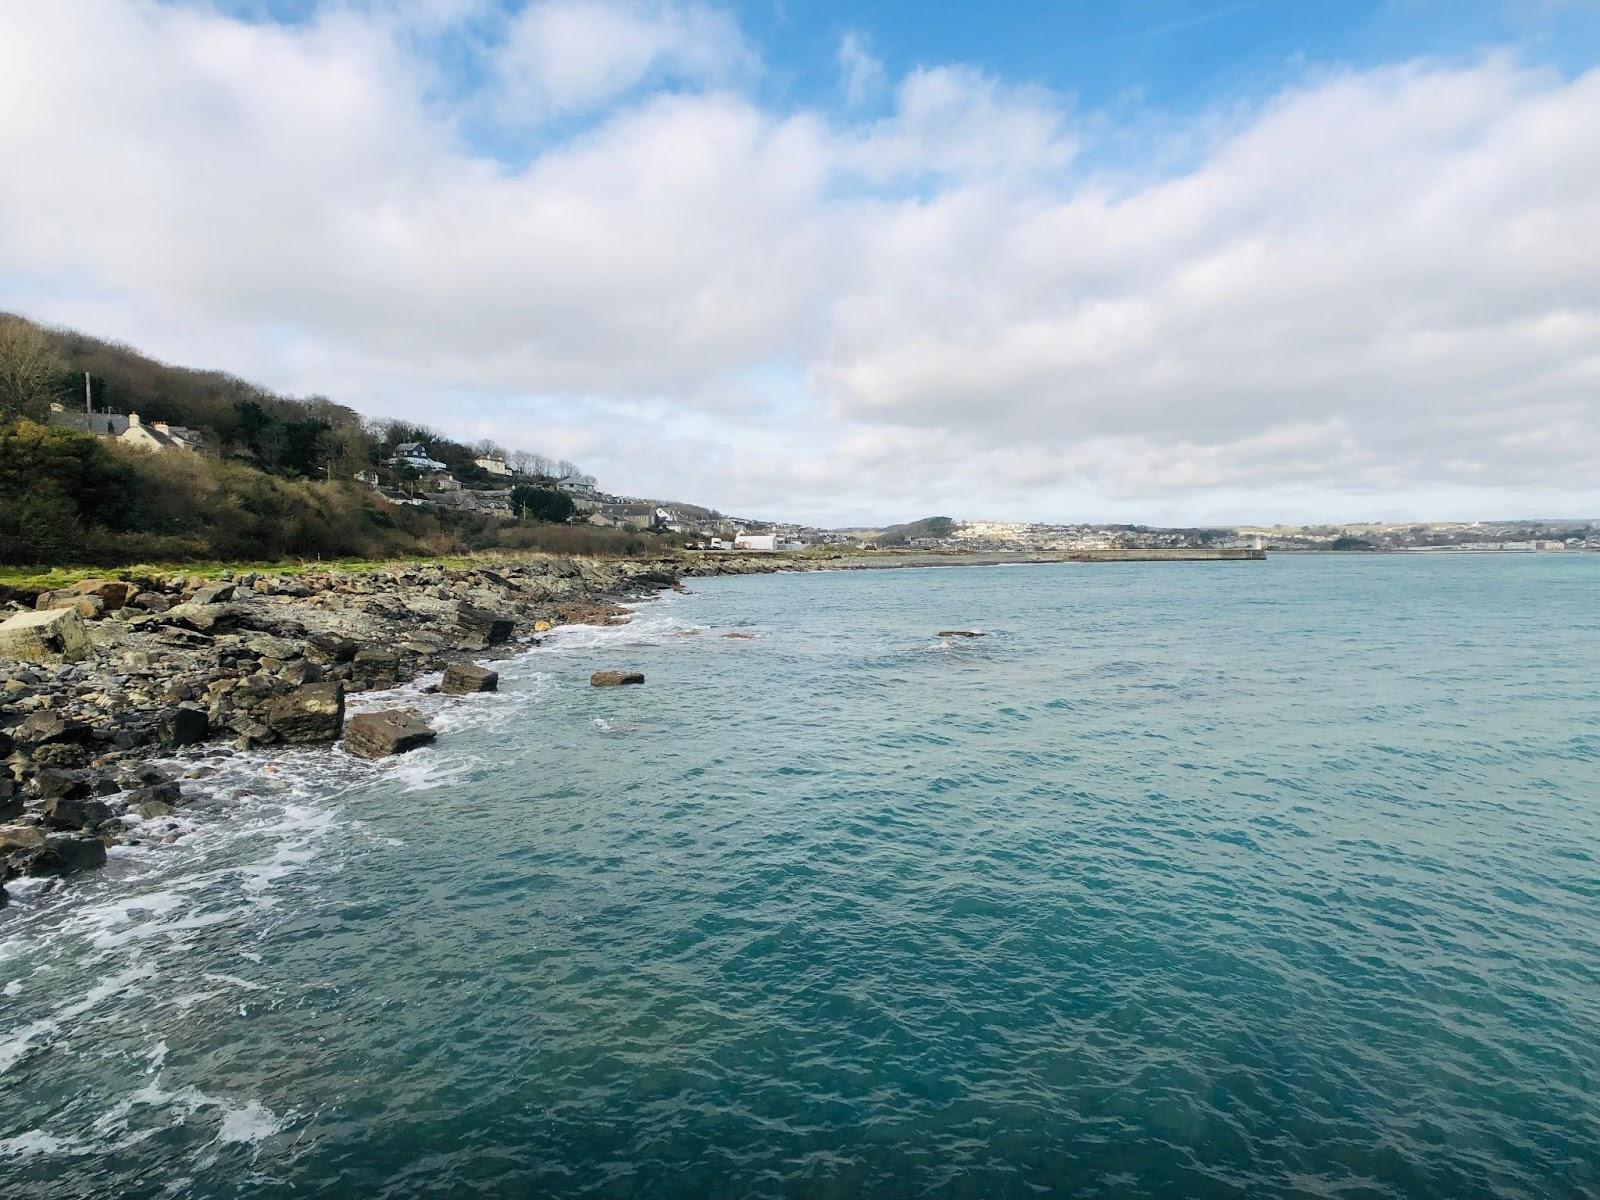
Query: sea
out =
(1257, 879)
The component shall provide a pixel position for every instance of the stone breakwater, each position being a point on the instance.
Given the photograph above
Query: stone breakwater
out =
(97, 679)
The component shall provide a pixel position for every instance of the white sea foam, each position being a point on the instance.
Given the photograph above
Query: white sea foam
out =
(16, 1046)
(37, 1141)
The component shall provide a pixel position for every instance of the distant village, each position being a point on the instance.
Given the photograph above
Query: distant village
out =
(410, 475)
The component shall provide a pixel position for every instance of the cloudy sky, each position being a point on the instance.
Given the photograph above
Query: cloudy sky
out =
(1134, 260)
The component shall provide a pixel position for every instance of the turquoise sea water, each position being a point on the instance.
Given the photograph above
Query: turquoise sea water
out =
(1242, 879)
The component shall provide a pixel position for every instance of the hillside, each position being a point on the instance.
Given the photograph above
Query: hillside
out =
(275, 477)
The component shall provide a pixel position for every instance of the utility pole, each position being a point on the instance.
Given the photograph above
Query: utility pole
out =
(88, 405)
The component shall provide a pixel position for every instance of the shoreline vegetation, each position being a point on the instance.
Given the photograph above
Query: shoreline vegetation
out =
(100, 673)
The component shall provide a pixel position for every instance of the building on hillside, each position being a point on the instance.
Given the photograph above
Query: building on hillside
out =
(415, 455)
(368, 477)
(158, 435)
(494, 466)
(101, 424)
(578, 485)
(755, 541)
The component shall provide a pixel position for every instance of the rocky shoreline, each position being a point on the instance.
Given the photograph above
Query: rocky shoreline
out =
(99, 678)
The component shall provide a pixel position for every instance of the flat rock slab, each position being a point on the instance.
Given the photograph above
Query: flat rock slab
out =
(380, 734)
(960, 633)
(49, 636)
(615, 678)
(462, 679)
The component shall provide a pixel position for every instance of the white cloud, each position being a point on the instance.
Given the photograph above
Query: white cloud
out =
(1376, 290)
(860, 73)
(563, 56)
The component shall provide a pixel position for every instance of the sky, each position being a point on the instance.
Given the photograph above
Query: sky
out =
(1217, 262)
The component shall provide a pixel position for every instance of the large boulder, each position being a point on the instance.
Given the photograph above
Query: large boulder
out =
(113, 593)
(615, 678)
(479, 629)
(10, 800)
(330, 649)
(46, 728)
(87, 607)
(373, 669)
(213, 593)
(49, 636)
(53, 783)
(200, 617)
(62, 812)
(380, 734)
(462, 679)
(311, 713)
(65, 853)
(184, 726)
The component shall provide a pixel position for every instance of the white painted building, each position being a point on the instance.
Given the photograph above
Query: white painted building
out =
(755, 541)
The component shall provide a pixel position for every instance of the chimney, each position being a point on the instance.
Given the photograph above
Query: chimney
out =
(133, 420)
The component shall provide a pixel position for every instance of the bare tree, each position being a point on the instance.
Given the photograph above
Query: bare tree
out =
(30, 370)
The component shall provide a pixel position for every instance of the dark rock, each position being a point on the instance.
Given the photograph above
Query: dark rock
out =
(967, 633)
(216, 593)
(374, 668)
(62, 812)
(379, 734)
(65, 853)
(184, 726)
(615, 678)
(480, 629)
(6, 743)
(153, 602)
(167, 794)
(45, 728)
(53, 783)
(326, 649)
(299, 671)
(313, 712)
(10, 800)
(60, 754)
(461, 679)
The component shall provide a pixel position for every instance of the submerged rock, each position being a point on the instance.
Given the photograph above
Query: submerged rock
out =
(969, 633)
(615, 678)
(461, 679)
(380, 734)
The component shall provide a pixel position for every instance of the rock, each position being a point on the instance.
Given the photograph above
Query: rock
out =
(615, 678)
(87, 607)
(481, 629)
(590, 613)
(53, 783)
(299, 671)
(374, 668)
(113, 593)
(313, 712)
(184, 726)
(541, 626)
(744, 637)
(10, 800)
(461, 679)
(379, 734)
(327, 649)
(152, 808)
(60, 754)
(166, 794)
(216, 593)
(65, 853)
(200, 617)
(152, 602)
(5, 743)
(15, 839)
(968, 633)
(62, 812)
(44, 728)
(52, 636)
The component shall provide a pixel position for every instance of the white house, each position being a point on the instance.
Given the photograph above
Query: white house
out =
(158, 435)
(755, 541)
(495, 466)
